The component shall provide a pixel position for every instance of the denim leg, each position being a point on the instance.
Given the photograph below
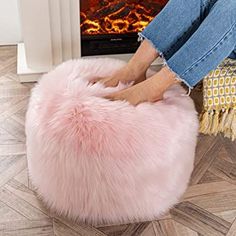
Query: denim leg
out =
(214, 40)
(175, 24)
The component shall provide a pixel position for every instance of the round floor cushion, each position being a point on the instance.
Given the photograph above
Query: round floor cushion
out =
(103, 161)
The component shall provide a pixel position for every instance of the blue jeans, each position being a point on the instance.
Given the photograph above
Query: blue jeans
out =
(194, 36)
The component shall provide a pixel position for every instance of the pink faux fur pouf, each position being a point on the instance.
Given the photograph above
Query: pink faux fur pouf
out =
(104, 161)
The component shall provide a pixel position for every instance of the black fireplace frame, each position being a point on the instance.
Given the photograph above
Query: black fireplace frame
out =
(107, 44)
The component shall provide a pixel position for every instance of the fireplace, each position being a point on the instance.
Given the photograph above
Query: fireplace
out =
(58, 30)
(111, 26)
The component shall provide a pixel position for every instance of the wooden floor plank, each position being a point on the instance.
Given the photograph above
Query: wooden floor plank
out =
(229, 216)
(204, 144)
(135, 229)
(12, 149)
(225, 170)
(115, 230)
(80, 228)
(199, 220)
(42, 231)
(216, 202)
(21, 206)
(209, 177)
(168, 227)
(15, 129)
(25, 194)
(149, 231)
(10, 169)
(8, 214)
(206, 161)
(182, 230)
(157, 228)
(230, 148)
(22, 177)
(17, 225)
(232, 230)
(61, 230)
(207, 188)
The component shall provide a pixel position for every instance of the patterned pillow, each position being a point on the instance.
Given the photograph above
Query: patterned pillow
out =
(219, 101)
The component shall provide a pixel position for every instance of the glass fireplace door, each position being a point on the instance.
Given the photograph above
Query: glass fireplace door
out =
(111, 26)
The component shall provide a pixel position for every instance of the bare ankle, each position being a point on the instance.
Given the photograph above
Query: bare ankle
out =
(136, 72)
(164, 79)
(143, 58)
(168, 73)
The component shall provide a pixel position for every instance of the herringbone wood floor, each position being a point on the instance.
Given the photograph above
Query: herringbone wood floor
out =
(207, 208)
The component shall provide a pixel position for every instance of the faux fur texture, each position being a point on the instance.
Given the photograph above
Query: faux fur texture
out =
(104, 161)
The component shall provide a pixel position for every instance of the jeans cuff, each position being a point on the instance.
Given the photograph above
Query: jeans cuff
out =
(141, 37)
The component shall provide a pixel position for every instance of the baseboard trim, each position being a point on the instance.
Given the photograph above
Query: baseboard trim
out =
(24, 73)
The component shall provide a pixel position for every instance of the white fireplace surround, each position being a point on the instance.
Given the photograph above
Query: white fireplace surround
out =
(51, 35)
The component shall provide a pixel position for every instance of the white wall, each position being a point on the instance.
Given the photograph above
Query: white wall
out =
(9, 22)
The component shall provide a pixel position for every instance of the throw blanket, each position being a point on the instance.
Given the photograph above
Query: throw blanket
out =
(219, 101)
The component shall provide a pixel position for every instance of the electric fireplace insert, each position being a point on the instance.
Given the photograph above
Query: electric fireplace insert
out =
(111, 26)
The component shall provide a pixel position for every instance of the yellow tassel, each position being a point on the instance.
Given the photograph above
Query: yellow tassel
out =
(229, 120)
(215, 123)
(227, 134)
(224, 115)
(228, 124)
(233, 126)
(204, 122)
(208, 131)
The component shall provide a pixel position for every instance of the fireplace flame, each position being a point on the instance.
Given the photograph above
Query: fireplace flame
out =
(118, 17)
